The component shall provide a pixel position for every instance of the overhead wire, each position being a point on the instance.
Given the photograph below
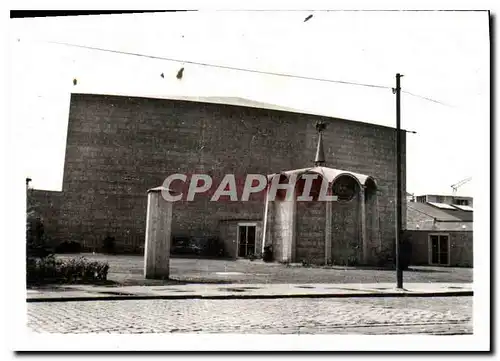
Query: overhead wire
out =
(222, 66)
(426, 98)
(256, 71)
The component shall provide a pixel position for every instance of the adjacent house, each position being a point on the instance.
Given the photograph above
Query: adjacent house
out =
(440, 233)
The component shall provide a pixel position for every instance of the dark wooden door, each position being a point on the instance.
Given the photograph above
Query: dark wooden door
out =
(246, 240)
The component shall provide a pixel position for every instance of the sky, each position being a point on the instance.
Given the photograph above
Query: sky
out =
(444, 56)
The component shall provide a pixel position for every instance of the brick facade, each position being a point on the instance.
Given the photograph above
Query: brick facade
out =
(310, 227)
(118, 147)
(424, 220)
(461, 247)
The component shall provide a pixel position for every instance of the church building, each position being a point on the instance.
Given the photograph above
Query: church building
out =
(118, 147)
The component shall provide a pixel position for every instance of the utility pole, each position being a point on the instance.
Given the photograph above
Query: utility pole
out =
(399, 216)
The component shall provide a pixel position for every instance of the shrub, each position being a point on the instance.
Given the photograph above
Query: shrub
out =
(68, 247)
(108, 245)
(267, 256)
(306, 263)
(352, 261)
(251, 256)
(199, 246)
(35, 231)
(75, 270)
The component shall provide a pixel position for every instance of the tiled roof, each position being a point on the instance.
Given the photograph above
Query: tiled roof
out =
(439, 214)
(426, 217)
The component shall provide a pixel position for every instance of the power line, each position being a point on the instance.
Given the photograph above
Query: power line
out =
(222, 66)
(426, 98)
(244, 69)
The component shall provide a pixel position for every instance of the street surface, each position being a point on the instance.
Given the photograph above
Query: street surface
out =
(402, 315)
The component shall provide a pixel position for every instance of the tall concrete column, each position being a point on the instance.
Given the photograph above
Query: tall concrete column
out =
(293, 228)
(158, 230)
(265, 225)
(285, 228)
(376, 221)
(328, 231)
(364, 241)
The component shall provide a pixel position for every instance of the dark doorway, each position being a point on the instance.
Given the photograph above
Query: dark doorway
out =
(439, 252)
(246, 240)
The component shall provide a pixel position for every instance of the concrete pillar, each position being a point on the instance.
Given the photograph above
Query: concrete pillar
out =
(285, 229)
(376, 220)
(158, 229)
(293, 229)
(265, 225)
(328, 230)
(364, 241)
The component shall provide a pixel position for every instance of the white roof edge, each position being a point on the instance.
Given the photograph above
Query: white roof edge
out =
(235, 101)
(329, 173)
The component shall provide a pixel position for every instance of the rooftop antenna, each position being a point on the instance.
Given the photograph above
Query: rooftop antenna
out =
(459, 184)
(319, 160)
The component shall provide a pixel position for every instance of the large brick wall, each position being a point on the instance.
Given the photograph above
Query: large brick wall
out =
(118, 147)
(310, 227)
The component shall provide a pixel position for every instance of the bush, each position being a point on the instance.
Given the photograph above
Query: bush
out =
(198, 246)
(267, 256)
(108, 245)
(352, 261)
(68, 247)
(306, 263)
(251, 256)
(74, 270)
(35, 231)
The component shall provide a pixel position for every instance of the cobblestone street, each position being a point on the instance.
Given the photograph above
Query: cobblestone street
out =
(441, 315)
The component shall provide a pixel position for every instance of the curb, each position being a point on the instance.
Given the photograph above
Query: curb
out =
(264, 296)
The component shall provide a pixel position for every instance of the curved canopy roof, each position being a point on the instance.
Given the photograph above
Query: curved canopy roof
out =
(329, 174)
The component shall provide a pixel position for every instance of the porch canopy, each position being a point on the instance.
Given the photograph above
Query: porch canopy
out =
(330, 174)
(287, 230)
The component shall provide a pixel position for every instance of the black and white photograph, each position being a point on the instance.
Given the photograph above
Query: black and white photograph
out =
(309, 179)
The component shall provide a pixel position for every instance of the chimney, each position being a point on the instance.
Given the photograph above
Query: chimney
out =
(319, 160)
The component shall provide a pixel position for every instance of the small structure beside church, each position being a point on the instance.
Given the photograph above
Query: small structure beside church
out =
(343, 229)
(440, 234)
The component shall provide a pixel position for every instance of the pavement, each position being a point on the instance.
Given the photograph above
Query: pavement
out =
(368, 316)
(128, 270)
(244, 291)
(227, 296)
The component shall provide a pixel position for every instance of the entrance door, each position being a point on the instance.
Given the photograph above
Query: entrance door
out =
(439, 250)
(246, 240)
